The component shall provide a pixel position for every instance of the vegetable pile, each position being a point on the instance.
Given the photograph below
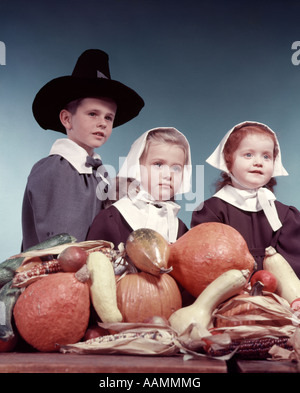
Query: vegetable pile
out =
(87, 297)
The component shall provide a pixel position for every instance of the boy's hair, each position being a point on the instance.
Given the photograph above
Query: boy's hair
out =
(170, 136)
(232, 145)
(73, 105)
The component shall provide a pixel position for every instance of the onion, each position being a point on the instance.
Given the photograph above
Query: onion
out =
(72, 258)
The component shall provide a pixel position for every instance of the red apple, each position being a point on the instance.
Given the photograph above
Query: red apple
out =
(266, 278)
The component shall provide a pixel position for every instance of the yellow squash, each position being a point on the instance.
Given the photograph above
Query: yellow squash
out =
(103, 287)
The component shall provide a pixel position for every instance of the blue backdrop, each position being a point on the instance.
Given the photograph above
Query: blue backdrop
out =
(201, 66)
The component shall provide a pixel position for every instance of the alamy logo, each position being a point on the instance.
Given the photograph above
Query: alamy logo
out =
(295, 56)
(2, 53)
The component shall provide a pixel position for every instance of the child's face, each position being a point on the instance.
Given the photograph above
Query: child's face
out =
(91, 125)
(162, 169)
(253, 161)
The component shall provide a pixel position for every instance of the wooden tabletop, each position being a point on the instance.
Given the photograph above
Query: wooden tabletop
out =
(37, 362)
(266, 366)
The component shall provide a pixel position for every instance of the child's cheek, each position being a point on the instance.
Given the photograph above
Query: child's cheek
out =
(177, 180)
(145, 177)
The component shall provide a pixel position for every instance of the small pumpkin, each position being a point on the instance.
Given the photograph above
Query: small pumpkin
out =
(53, 310)
(142, 295)
(148, 250)
(205, 252)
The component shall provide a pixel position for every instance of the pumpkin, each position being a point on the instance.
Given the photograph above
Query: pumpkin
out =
(52, 311)
(142, 295)
(205, 252)
(148, 250)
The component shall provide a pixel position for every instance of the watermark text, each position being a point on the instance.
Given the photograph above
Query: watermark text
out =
(2, 53)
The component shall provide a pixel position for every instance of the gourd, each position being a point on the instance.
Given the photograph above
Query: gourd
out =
(205, 252)
(103, 287)
(142, 295)
(226, 285)
(288, 284)
(148, 250)
(54, 310)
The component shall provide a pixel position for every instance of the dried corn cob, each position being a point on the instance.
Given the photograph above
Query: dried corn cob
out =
(39, 271)
(152, 335)
(146, 342)
(252, 348)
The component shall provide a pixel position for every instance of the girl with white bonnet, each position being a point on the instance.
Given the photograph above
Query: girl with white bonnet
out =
(157, 168)
(249, 158)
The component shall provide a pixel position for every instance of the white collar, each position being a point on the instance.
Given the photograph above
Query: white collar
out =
(72, 152)
(253, 201)
(140, 210)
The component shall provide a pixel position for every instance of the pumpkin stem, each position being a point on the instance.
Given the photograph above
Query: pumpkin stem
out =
(257, 289)
(164, 270)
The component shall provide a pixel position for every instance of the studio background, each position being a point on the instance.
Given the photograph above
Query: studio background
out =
(200, 66)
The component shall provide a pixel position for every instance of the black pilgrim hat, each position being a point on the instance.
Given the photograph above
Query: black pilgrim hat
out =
(90, 78)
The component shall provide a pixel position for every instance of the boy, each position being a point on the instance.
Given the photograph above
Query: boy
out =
(60, 196)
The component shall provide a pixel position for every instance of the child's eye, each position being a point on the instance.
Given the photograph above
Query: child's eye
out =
(267, 157)
(92, 114)
(248, 155)
(109, 118)
(176, 168)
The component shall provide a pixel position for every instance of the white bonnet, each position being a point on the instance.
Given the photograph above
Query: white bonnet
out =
(216, 159)
(131, 165)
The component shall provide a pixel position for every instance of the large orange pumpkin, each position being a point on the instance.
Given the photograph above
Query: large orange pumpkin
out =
(141, 296)
(54, 310)
(205, 252)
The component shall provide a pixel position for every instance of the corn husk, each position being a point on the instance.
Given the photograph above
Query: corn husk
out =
(148, 340)
(275, 317)
(278, 353)
(89, 245)
(131, 338)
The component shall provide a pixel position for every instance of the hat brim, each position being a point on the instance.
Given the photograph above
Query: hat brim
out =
(56, 94)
